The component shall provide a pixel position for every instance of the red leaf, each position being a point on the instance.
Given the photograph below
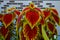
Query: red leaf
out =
(46, 13)
(4, 31)
(22, 36)
(54, 11)
(51, 27)
(30, 33)
(32, 17)
(1, 16)
(56, 18)
(38, 9)
(7, 19)
(42, 21)
(17, 12)
(8, 36)
(26, 9)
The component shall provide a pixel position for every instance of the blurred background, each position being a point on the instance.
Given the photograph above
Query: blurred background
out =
(20, 5)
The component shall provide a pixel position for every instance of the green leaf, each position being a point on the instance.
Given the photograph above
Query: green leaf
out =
(1, 37)
(44, 33)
